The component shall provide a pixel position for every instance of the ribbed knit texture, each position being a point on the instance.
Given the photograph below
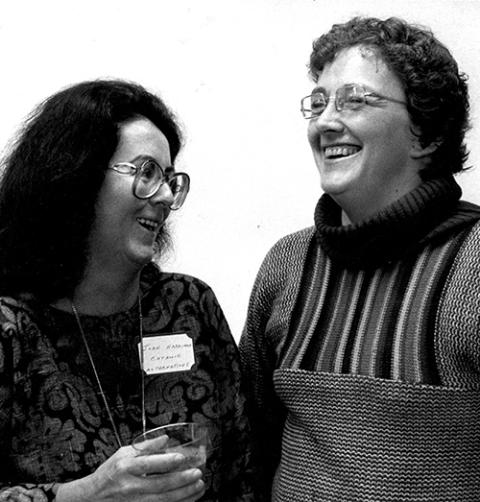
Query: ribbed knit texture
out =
(376, 315)
(398, 229)
(378, 302)
(358, 439)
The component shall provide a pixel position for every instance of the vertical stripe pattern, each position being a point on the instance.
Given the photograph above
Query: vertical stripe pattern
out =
(377, 322)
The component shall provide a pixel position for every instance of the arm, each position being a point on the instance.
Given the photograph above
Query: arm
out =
(9, 348)
(24, 479)
(235, 464)
(266, 413)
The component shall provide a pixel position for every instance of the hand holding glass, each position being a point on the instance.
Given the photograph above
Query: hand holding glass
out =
(187, 438)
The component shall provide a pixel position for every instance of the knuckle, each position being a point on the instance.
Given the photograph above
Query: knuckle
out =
(122, 465)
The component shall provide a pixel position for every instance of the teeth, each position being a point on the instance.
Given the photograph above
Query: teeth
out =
(150, 224)
(340, 151)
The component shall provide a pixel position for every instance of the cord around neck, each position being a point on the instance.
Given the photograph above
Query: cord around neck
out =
(97, 378)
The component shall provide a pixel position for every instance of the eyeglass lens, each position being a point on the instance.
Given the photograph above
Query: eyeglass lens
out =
(350, 97)
(151, 177)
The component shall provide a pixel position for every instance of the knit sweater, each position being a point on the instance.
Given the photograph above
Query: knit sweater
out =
(392, 299)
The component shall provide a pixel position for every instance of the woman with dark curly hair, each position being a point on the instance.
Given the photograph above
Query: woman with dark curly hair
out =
(86, 192)
(361, 348)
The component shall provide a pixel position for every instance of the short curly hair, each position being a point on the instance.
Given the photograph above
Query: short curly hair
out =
(52, 177)
(437, 92)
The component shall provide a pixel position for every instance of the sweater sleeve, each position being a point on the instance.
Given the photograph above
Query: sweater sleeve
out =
(263, 340)
(12, 317)
(236, 475)
(266, 413)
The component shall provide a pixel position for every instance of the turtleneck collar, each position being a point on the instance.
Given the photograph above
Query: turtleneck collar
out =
(399, 228)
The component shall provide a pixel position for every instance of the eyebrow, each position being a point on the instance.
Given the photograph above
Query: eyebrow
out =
(143, 157)
(347, 84)
(319, 89)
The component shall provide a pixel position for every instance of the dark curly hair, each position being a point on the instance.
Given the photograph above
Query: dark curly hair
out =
(437, 93)
(52, 177)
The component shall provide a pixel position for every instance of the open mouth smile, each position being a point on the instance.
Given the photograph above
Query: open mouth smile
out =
(150, 225)
(340, 151)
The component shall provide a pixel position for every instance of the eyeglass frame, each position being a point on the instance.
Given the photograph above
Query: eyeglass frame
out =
(167, 175)
(335, 98)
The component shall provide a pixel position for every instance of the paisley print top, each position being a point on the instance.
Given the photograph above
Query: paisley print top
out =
(53, 424)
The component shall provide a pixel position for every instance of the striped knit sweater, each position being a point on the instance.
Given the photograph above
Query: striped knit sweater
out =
(393, 298)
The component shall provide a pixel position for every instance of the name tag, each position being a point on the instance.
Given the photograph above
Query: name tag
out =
(167, 353)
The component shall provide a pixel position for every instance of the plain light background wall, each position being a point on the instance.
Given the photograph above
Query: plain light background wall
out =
(234, 72)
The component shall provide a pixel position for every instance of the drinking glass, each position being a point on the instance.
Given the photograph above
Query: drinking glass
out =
(188, 438)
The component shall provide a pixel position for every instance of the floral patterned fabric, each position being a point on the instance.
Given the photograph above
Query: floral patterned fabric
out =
(53, 424)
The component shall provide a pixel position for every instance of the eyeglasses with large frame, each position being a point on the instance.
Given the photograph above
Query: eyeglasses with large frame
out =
(150, 176)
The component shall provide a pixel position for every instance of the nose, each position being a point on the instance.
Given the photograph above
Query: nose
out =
(329, 120)
(163, 195)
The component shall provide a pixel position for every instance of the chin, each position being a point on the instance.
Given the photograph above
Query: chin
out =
(141, 256)
(142, 253)
(333, 188)
(339, 182)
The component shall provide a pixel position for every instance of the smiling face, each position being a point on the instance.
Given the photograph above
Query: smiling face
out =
(125, 228)
(366, 157)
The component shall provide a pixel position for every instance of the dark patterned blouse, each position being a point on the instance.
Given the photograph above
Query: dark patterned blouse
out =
(53, 424)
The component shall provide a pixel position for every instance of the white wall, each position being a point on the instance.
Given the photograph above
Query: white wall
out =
(234, 71)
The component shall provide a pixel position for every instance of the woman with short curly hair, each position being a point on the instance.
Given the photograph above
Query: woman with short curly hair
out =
(361, 347)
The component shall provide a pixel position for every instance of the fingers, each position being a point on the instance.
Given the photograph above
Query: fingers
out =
(18, 493)
(171, 481)
(160, 475)
(156, 464)
(149, 446)
(189, 493)
(197, 494)
(128, 475)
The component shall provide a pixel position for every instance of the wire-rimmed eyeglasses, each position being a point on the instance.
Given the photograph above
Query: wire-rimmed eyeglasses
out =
(347, 97)
(150, 176)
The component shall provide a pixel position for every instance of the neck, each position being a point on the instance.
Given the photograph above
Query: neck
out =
(356, 210)
(402, 228)
(345, 219)
(360, 205)
(101, 293)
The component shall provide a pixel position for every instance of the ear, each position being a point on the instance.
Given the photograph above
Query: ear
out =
(417, 151)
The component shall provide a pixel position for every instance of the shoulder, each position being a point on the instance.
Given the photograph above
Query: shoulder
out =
(183, 303)
(469, 253)
(21, 334)
(280, 270)
(182, 298)
(154, 279)
(472, 239)
(468, 208)
(458, 313)
(293, 243)
(466, 215)
(463, 282)
(16, 313)
(289, 251)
